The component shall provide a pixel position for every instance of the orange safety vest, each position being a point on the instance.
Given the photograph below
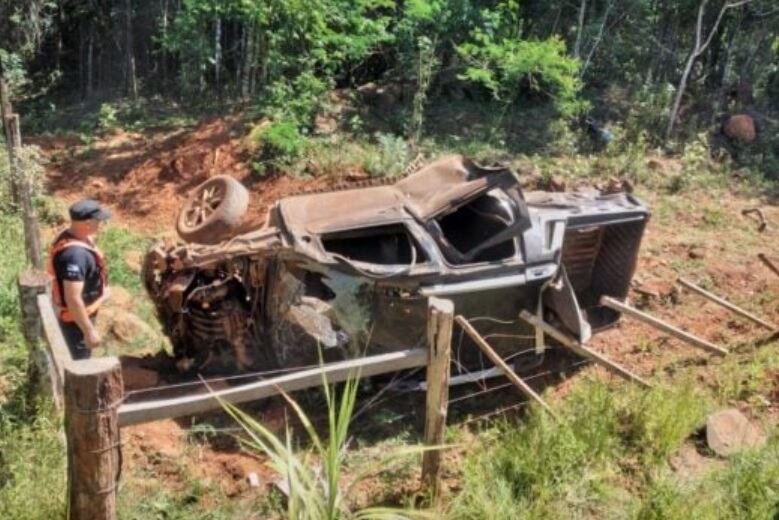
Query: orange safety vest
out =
(56, 288)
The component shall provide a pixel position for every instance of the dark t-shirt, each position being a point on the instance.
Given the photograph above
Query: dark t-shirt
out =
(78, 264)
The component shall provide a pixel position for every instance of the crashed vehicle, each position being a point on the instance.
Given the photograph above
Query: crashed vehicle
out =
(348, 272)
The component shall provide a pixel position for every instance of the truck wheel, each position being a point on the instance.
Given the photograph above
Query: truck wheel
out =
(213, 210)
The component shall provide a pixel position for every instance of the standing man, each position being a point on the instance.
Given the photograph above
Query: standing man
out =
(80, 277)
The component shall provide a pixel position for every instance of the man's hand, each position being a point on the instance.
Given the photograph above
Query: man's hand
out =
(77, 308)
(92, 339)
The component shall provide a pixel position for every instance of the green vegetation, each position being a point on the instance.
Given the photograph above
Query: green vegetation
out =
(609, 457)
(117, 243)
(315, 478)
(277, 146)
(32, 458)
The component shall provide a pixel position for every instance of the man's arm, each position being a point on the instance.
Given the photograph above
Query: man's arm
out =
(72, 292)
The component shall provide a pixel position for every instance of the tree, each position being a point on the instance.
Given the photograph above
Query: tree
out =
(699, 47)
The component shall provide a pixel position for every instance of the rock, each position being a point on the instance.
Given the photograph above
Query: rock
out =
(134, 260)
(124, 326)
(689, 465)
(253, 479)
(384, 97)
(655, 165)
(129, 327)
(325, 124)
(740, 127)
(614, 185)
(136, 378)
(729, 431)
(696, 253)
(556, 183)
(120, 298)
(283, 486)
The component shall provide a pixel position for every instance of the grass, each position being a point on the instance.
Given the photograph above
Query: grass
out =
(315, 477)
(116, 242)
(32, 483)
(608, 458)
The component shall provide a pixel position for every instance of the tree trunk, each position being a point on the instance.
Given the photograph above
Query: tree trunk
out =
(90, 57)
(82, 89)
(248, 60)
(262, 52)
(577, 46)
(218, 54)
(164, 53)
(131, 82)
(700, 46)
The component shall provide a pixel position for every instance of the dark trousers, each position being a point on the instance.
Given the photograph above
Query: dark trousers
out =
(75, 340)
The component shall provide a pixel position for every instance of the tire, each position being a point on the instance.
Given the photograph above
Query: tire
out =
(213, 211)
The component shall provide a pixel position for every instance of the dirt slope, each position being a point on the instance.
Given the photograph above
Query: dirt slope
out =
(145, 177)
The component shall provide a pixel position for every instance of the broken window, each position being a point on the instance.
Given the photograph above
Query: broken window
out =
(468, 231)
(383, 245)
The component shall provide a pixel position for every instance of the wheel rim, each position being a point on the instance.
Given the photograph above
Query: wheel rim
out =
(203, 206)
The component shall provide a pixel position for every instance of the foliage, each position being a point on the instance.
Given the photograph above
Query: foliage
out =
(388, 157)
(500, 60)
(107, 117)
(277, 145)
(314, 478)
(31, 455)
(116, 242)
(297, 48)
(426, 68)
(657, 422)
(29, 160)
(535, 464)
(562, 469)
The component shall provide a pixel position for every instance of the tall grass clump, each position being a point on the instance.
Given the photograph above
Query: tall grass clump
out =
(747, 488)
(656, 422)
(115, 243)
(750, 484)
(666, 499)
(32, 483)
(314, 476)
(388, 157)
(544, 468)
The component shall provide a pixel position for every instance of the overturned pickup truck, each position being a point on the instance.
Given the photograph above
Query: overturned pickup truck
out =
(348, 272)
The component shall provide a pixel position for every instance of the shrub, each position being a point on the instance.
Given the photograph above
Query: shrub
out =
(107, 117)
(500, 60)
(30, 160)
(388, 157)
(277, 146)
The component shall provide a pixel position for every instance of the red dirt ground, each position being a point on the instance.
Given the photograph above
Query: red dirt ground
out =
(145, 178)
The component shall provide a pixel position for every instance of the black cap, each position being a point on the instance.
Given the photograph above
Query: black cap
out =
(88, 209)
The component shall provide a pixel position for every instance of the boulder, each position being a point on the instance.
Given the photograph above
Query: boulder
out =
(134, 260)
(729, 431)
(740, 127)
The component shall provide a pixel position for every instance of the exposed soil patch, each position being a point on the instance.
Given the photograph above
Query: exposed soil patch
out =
(145, 178)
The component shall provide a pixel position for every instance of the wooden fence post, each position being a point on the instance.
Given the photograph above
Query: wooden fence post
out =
(93, 392)
(23, 192)
(30, 284)
(440, 316)
(20, 184)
